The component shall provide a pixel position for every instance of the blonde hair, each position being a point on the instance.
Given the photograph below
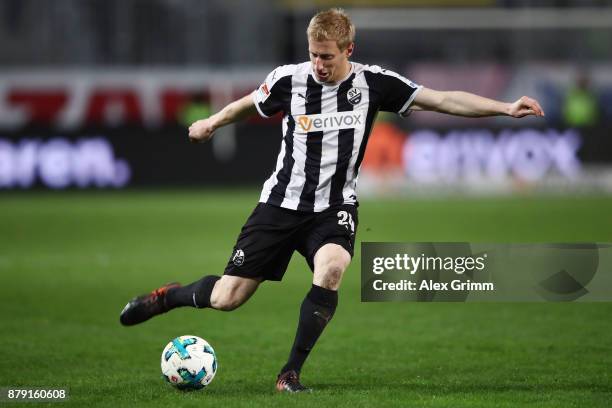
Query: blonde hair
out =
(333, 24)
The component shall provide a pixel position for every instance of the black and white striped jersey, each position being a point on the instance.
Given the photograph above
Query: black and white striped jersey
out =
(325, 130)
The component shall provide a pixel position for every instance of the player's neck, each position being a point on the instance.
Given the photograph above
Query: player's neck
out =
(344, 74)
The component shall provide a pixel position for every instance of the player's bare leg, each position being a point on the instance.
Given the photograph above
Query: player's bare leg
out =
(330, 263)
(231, 292)
(317, 309)
(221, 293)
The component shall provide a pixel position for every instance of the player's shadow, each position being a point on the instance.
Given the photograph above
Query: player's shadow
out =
(455, 388)
(258, 389)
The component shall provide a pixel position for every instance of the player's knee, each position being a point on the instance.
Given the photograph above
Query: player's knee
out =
(330, 265)
(331, 275)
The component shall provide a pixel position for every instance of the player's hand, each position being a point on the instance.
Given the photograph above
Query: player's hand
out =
(525, 106)
(201, 131)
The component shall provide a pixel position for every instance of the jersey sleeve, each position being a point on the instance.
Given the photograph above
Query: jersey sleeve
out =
(398, 92)
(269, 97)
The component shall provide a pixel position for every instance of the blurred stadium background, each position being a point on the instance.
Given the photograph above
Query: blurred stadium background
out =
(97, 95)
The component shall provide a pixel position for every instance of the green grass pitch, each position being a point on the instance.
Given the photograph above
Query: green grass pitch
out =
(70, 261)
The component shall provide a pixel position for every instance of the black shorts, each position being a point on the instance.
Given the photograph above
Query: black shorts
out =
(271, 235)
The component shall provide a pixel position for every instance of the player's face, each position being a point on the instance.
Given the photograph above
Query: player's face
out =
(329, 63)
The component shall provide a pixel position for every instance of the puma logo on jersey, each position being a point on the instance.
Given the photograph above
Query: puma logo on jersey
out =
(330, 121)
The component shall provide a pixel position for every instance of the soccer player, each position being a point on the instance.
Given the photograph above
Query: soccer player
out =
(308, 204)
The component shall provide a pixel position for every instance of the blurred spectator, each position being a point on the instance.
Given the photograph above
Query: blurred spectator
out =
(605, 102)
(552, 95)
(580, 108)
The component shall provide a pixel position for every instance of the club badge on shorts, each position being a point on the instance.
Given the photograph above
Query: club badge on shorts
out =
(238, 258)
(354, 96)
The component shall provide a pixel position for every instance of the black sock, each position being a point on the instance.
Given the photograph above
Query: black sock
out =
(196, 294)
(317, 310)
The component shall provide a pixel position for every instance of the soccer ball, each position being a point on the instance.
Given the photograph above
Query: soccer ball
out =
(189, 363)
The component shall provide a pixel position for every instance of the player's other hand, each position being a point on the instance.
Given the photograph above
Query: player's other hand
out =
(525, 106)
(201, 131)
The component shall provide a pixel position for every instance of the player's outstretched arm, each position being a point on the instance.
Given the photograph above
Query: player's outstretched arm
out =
(202, 130)
(466, 104)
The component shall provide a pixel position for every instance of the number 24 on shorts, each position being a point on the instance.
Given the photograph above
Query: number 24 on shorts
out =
(345, 219)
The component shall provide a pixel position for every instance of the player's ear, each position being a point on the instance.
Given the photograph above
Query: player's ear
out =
(349, 49)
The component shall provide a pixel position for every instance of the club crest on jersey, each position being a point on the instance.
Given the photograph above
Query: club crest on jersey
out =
(238, 258)
(354, 96)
